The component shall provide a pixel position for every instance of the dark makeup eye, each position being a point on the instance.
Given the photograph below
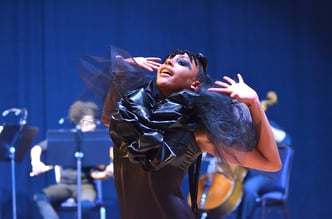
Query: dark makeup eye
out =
(183, 62)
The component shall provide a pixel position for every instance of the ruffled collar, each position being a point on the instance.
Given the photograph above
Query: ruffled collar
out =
(144, 119)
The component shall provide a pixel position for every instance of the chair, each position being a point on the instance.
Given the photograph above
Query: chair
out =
(70, 206)
(276, 201)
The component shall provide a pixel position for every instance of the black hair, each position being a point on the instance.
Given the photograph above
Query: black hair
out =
(200, 60)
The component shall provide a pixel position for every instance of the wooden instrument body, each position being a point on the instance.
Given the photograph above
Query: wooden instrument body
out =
(218, 195)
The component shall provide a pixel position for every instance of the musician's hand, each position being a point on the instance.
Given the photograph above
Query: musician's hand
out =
(147, 63)
(109, 170)
(38, 167)
(105, 174)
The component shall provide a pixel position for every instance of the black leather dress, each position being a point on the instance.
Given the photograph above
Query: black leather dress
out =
(154, 146)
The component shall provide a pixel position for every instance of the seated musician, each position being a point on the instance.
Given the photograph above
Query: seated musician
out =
(256, 183)
(84, 116)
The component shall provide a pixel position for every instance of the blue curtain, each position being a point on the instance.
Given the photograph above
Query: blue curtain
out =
(284, 46)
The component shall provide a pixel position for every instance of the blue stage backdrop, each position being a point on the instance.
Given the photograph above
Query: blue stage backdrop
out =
(283, 45)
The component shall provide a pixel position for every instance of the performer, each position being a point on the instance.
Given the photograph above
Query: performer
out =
(160, 127)
(84, 116)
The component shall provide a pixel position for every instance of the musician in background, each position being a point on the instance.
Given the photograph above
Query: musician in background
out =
(84, 115)
(256, 183)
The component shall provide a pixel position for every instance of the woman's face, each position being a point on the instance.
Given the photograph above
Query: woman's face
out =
(176, 74)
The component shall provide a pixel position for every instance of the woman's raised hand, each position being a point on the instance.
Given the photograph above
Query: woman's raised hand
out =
(238, 90)
(147, 63)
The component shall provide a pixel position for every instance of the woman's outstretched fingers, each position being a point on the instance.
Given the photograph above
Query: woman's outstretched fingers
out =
(229, 80)
(221, 84)
(239, 76)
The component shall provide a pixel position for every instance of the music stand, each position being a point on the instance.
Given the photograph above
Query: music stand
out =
(94, 146)
(14, 143)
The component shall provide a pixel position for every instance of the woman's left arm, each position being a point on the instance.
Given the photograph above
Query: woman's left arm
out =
(265, 155)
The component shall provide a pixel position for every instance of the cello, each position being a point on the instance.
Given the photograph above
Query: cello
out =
(219, 195)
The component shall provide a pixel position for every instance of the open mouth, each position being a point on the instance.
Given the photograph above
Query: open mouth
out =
(166, 72)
